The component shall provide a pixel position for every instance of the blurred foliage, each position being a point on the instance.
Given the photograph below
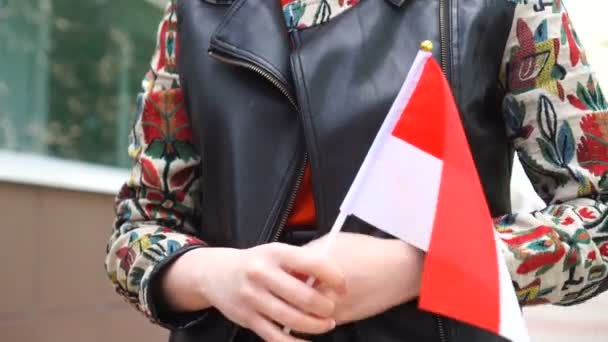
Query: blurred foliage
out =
(70, 74)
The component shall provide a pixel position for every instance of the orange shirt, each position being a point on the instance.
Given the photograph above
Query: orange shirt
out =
(304, 213)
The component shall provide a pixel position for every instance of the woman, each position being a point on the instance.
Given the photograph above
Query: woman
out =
(241, 140)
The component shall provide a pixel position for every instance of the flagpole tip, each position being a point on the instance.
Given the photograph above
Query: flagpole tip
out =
(426, 46)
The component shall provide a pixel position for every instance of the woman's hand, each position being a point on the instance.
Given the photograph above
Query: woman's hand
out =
(257, 288)
(380, 273)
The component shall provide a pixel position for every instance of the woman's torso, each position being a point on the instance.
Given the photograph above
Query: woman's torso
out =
(285, 102)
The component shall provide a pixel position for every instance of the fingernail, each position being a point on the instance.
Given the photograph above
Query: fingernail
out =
(333, 324)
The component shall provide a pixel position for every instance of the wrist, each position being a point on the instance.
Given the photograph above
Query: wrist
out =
(186, 282)
(207, 268)
(403, 264)
(411, 266)
(196, 272)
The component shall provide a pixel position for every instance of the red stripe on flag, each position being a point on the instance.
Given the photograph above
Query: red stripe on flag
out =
(422, 121)
(461, 276)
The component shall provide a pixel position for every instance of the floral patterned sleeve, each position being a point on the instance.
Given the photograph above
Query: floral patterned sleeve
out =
(156, 207)
(557, 118)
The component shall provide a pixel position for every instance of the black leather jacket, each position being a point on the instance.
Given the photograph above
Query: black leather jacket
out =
(267, 102)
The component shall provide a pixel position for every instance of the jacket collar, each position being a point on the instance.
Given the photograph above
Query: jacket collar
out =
(254, 31)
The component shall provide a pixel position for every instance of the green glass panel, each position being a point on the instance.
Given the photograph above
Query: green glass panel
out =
(69, 75)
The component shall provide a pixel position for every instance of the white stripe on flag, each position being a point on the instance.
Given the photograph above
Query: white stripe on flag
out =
(406, 180)
(403, 97)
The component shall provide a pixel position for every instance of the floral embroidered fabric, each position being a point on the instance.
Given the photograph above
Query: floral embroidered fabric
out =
(301, 14)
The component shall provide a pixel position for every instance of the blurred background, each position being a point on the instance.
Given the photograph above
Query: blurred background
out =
(69, 74)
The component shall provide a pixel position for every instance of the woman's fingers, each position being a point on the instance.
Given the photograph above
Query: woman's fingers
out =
(269, 331)
(306, 261)
(281, 312)
(269, 290)
(297, 293)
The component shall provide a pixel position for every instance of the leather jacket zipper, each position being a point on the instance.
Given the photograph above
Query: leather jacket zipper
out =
(443, 337)
(444, 32)
(258, 70)
(291, 201)
(279, 85)
(225, 58)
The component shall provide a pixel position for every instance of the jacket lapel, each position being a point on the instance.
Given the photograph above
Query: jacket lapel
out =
(254, 31)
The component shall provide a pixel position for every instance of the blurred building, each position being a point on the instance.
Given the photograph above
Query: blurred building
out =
(69, 75)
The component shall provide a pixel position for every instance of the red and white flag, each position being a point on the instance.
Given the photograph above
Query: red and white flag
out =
(419, 183)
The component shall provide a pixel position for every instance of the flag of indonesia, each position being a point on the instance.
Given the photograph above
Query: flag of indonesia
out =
(419, 183)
